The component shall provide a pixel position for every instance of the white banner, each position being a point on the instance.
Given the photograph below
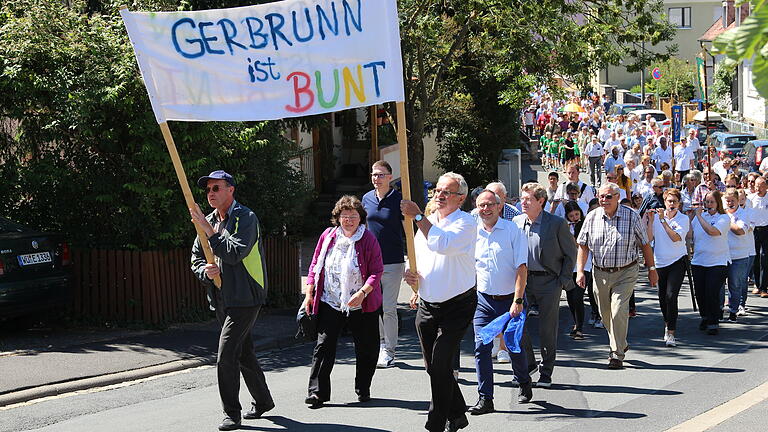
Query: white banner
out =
(285, 59)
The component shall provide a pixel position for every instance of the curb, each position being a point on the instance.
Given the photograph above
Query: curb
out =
(79, 384)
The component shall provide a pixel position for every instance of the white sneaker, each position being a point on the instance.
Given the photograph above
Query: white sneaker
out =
(670, 341)
(599, 324)
(726, 308)
(742, 311)
(496, 346)
(666, 334)
(503, 357)
(385, 360)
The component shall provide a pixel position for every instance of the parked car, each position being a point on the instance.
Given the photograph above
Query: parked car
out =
(660, 116)
(35, 272)
(730, 143)
(753, 153)
(701, 129)
(618, 109)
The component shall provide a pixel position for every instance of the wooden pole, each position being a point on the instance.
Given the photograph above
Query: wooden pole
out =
(374, 134)
(187, 194)
(405, 182)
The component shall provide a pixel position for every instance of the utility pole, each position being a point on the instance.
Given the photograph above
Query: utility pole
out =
(642, 76)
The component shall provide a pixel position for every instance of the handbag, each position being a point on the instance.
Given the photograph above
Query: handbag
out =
(307, 325)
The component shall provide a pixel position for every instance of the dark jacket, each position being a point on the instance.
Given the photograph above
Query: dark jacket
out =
(369, 261)
(239, 251)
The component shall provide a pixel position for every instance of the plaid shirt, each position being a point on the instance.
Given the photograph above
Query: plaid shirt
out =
(613, 241)
(702, 189)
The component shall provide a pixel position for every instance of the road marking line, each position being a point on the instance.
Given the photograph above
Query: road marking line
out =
(721, 413)
(103, 388)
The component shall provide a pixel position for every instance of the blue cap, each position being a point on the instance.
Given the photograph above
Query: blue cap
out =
(216, 175)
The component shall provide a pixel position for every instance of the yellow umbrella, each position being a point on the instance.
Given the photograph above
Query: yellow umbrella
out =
(572, 107)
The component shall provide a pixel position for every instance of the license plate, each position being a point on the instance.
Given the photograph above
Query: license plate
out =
(35, 258)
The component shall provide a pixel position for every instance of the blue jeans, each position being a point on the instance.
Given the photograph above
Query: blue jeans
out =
(745, 293)
(487, 310)
(738, 272)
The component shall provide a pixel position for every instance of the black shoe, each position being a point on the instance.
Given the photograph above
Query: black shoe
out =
(713, 331)
(525, 394)
(732, 317)
(615, 364)
(703, 325)
(483, 406)
(256, 412)
(544, 382)
(363, 398)
(314, 401)
(229, 424)
(456, 424)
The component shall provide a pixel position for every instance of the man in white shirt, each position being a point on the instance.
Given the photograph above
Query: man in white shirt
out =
(613, 142)
(501, 254)
(446, 300)
(595, 152)
(572, 194)
(586, 192)
(683, 157)
(604, 134)
(759, 201)
(662, 154)
(693, 142)
(722, 168)
(612, 161)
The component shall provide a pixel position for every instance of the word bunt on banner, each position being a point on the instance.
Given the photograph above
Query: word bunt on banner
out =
(266, 62)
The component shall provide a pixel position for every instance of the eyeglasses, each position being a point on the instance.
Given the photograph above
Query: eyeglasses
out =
(349, 217)
(214, 188)
(486, 205)
(611, 177)
(606, 196)
(447, 192)
(379, 175)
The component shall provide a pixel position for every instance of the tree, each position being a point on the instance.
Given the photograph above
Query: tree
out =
(512, 39)
(82, 152)
(749, 41)
(677, 80)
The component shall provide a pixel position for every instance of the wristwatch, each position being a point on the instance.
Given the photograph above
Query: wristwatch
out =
(651, 268)
(519, 300)
(418, 217)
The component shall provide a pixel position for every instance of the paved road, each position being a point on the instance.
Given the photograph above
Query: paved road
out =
(659, 388)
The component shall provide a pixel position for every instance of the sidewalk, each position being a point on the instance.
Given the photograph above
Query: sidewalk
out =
(50, 370)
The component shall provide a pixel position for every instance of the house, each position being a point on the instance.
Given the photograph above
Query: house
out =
(747, 105)
(692, 18)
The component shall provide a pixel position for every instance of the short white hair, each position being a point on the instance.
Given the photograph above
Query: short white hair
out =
(499, 185)
(463, 188)
(612, 186)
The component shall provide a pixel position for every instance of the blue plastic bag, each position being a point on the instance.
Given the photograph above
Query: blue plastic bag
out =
(512, 328)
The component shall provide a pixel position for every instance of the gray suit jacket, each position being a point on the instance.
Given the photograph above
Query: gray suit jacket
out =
(558, 249)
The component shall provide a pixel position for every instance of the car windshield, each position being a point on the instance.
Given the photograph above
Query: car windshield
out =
(629, 109)
(7, 226)
(737, 141)
(658, 116)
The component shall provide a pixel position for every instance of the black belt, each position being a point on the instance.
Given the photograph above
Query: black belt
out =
(615, 269)
(539, 273)
(500, 297)
(468, 293)
(761, 227)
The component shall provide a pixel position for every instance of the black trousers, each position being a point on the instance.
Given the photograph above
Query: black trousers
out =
(670, 281)
(236, 356)
(591, 296)
(575, 299)
(365, 334)
(708, 282)
(440, 327)
(760, 267)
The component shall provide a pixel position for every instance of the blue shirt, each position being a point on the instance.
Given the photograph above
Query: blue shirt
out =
(385, 221)
(498, 254)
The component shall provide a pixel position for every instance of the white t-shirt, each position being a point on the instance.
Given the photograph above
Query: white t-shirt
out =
(739, 245)
(660, 156)
(759, 209)
(683, 156)
(666, 251)
(693, 143)
(643, 188)
(707, 249)
(749, 215)
(763, 165)
(560, 210)
(587, 195)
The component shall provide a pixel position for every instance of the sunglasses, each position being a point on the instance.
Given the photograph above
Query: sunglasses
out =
(215, 189)
(606, 196)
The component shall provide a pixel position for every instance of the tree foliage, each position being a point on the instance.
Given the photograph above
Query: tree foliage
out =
(512, 41)
(82, 153)
(677, 80)
(749, 42)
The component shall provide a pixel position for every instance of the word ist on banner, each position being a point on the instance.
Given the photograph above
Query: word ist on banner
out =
(284, 59)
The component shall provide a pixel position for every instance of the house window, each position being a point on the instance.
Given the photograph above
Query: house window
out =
(680, 17)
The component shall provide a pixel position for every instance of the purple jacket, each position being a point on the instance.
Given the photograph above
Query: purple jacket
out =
(368, 259)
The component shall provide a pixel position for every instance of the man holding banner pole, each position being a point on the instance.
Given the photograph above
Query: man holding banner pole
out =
(445, 247)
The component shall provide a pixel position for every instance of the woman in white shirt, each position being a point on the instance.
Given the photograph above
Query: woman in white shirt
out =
(668, 228)
(710, 262)
(740, 243)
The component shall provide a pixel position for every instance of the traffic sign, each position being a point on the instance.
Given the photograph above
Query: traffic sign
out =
(656, 73)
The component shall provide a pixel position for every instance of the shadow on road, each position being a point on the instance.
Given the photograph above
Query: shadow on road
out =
(287, 424)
